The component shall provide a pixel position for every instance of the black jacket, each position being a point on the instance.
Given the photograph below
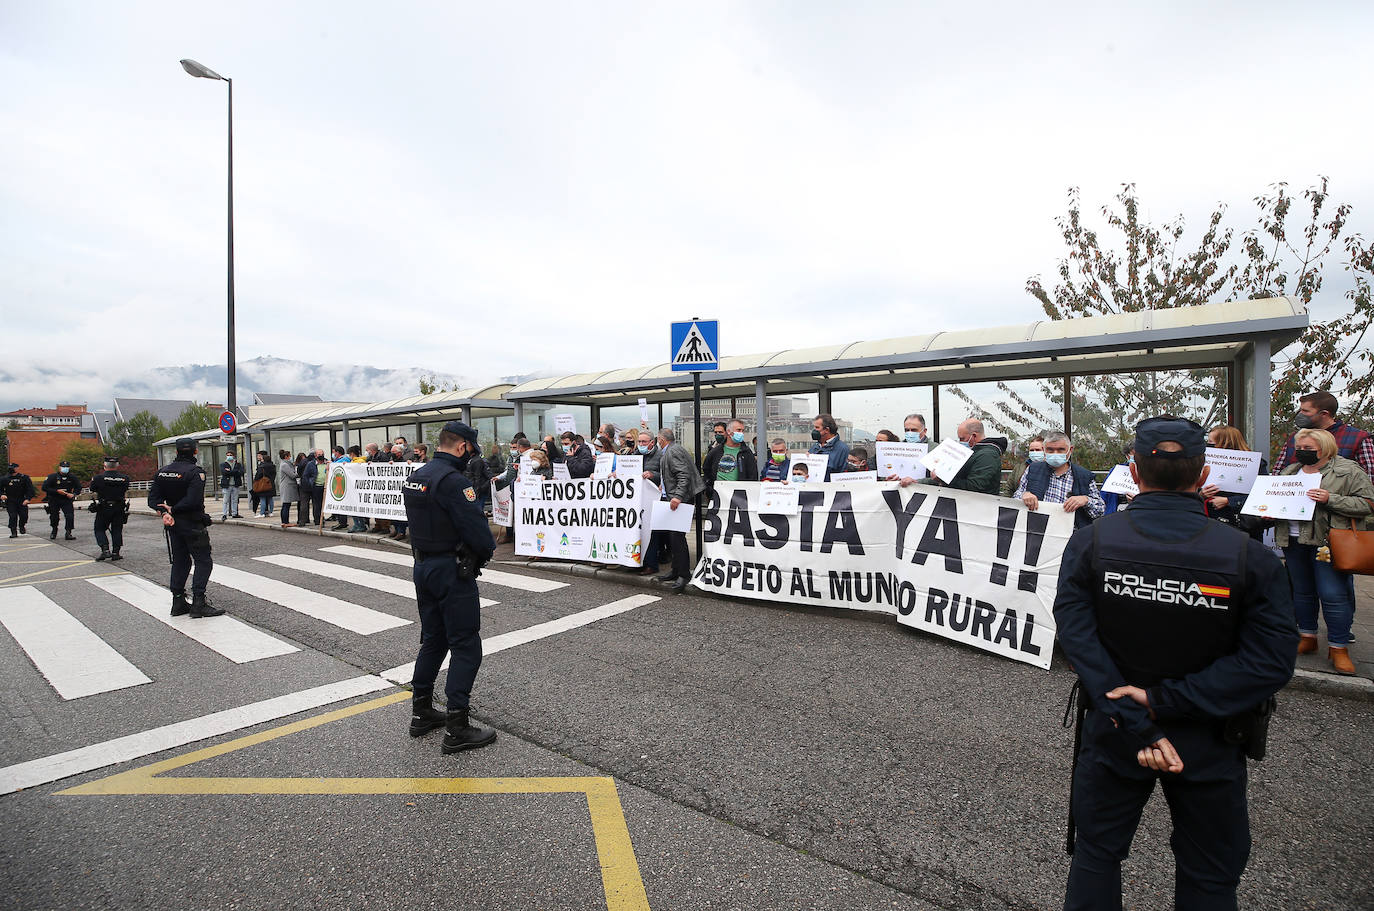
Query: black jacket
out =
(581, 461)
(17, 488)
(59, 481)
(231, 475)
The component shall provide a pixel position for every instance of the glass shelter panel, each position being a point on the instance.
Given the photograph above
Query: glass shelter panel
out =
(861, 413)
(1106, 408)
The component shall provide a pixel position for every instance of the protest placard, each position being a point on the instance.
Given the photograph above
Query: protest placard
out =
(853, 476)
(1283, 496)
(564, 423)
(977, 569)
(815, 467)
(1233, 470)
(560, 471)
(900, 460)
(644, 412)
(629, 466)
(502, 506)
(779, 500)
(666, 518)
(605, 465)
(597, 520)
(371, 489)
(1119, 482)
(945, 460)
(527, 465)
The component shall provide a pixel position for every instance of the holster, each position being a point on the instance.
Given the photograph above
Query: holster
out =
(1251, 729)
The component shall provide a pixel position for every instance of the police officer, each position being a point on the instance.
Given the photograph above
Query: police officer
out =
(451, 541)
(1180, 630)
(59, 493)
(16, 490)
(111, 509)
(178, 493)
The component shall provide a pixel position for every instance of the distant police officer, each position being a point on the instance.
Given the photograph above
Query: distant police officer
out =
(16, 490)
(111, 509)
(59, 493)
(178, 493)
(1181, 630)
(451, 542)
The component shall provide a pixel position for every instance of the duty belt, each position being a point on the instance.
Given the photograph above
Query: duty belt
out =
(422, 554)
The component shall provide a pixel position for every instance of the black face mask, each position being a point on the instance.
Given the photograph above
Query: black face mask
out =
(815, 434)
(1307, 456)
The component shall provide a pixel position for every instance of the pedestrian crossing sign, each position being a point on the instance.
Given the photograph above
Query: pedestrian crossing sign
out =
(694, 345)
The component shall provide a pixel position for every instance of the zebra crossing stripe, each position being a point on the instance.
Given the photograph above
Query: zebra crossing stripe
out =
(74, 660)
(352, 617)
(489, 576)
(232, 638)
(382, 583)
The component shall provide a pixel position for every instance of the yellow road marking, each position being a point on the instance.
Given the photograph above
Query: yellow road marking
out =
(67, 565)
(118, 572)
(620, 877)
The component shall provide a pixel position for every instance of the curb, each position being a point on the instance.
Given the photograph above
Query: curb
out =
(1360, 688)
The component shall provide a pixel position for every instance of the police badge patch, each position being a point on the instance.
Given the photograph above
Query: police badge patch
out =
(470, 494)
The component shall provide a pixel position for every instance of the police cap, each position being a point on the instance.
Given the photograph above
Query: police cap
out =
(186, 444)
(64, 464)
(111, 460)
(1150, 432)
(13, 466)
(458, 428)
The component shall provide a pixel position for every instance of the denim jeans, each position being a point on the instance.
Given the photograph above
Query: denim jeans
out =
(231, 502)
(1315, 582)
(265, 500)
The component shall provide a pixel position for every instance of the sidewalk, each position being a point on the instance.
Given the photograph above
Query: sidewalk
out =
(1314, 673)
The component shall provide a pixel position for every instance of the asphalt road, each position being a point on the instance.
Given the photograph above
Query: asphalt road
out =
(762, 757)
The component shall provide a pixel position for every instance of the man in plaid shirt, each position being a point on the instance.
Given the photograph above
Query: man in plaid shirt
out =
(1317, 410)
(1058, 480)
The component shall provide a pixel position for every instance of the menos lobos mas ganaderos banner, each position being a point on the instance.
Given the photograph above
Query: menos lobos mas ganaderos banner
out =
(974, 568)
(602, 520)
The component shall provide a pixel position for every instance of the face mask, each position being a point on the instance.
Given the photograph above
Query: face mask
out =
(1036, 455)
(737, 437)
(515, 453)
(912, 436)
(64, 470)
(1307, 456)
(1303, 421)
(778, 457)
(567, 450)
(643, 450)
(798, 479)
(966, 444)
(855, 466)
(720, 438)
(1056, 459)
(815, 435)
(230, 460)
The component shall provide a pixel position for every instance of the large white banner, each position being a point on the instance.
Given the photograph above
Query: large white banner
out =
(974, 568)
(371, 489)
(601, 520)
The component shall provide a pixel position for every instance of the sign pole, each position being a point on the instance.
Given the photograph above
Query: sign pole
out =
(696, 448)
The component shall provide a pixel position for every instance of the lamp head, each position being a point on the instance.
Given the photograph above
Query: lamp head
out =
(199, 70)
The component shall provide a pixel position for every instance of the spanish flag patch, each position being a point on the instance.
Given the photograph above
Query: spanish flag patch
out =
(1216, 591)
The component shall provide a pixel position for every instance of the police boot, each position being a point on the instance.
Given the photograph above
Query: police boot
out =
(115, 556)
(180, 606)
(69, 536)
(53, 536)
(104, 555)
(459, 735)
(424, 717)
(202, 608)
(14, 534)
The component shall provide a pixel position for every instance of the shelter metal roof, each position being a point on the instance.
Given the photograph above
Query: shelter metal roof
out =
(1174, 338)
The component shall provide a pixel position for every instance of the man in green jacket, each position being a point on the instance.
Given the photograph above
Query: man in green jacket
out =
(982, 473)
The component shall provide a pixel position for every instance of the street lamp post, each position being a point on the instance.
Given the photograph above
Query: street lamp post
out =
(204, 72)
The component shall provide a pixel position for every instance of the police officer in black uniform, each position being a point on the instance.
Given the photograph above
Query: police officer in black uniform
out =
(16, 490)
(60, 490)
(178, 493)
(451, 542)
(110, 507)
(1181, 630)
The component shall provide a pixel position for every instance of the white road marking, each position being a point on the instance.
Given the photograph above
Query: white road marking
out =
(122, 749)
(332, 610)
(492, 576)
(75, 660)
(490, 646)
(233, 639)
(382, 583)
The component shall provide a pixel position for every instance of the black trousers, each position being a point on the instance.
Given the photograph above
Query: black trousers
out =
(113, 520)
(1210, 841)
(317, 501)
(190, 544)
(61, 506)
(450, 620)
(19, 515)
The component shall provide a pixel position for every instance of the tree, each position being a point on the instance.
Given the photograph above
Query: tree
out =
(430, 384)
(194, 418)
(136, 436)
(1155, 269)
(5, 449)
(86, 458)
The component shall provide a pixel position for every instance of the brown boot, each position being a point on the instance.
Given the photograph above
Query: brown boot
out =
(1307, 645)
(1340, 660)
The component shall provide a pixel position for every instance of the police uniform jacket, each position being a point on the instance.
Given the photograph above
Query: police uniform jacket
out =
(17, 488)
(1198, 614)
(59, 481)
(110, 488)
(180, 485)
(444, 510)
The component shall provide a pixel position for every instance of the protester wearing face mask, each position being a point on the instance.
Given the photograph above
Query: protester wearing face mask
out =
(718, 437)
(578, 456)
(777, 467)
(1225, 506)
(858, 459)
(1058, 480)
(646, 445)
(801, 473)
(732, 460)
(59, 492)
(1035, 452)
(914, 426)
(982, 473)
(1317, 411)
(825, 432)
(1345, 499)
(230, 480)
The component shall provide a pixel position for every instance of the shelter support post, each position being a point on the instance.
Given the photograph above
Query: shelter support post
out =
(467, 415)
(933, 431)
(1235, 393)
(519, 418)
(419, 434)
(761, 414)
(346, 441)
(823, 399)
(1068, 405)
(596, 422)
(1259, 440)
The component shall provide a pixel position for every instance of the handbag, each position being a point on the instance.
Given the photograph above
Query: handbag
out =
(1352, 550)
(262, 485)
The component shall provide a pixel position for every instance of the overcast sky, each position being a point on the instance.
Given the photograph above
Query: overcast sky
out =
(488, 190)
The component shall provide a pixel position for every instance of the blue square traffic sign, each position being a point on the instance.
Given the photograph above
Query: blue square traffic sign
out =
(695, 345)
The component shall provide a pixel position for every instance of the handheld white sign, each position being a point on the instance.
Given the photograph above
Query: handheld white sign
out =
(668, 519)
(564, 423)
(779, 500)
(901, 460)
(945, 460)
(853, 476)
(1119, 482)
(629, 466)
(815, 467)
(1232, 469)
(1283, 496)
(605, 464)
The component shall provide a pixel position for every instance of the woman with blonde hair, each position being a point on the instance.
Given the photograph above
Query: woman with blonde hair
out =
(1344, 499)
(542, 466)
(1225, 507)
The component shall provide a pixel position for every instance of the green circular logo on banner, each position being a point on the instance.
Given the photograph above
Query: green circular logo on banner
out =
(338, 485)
